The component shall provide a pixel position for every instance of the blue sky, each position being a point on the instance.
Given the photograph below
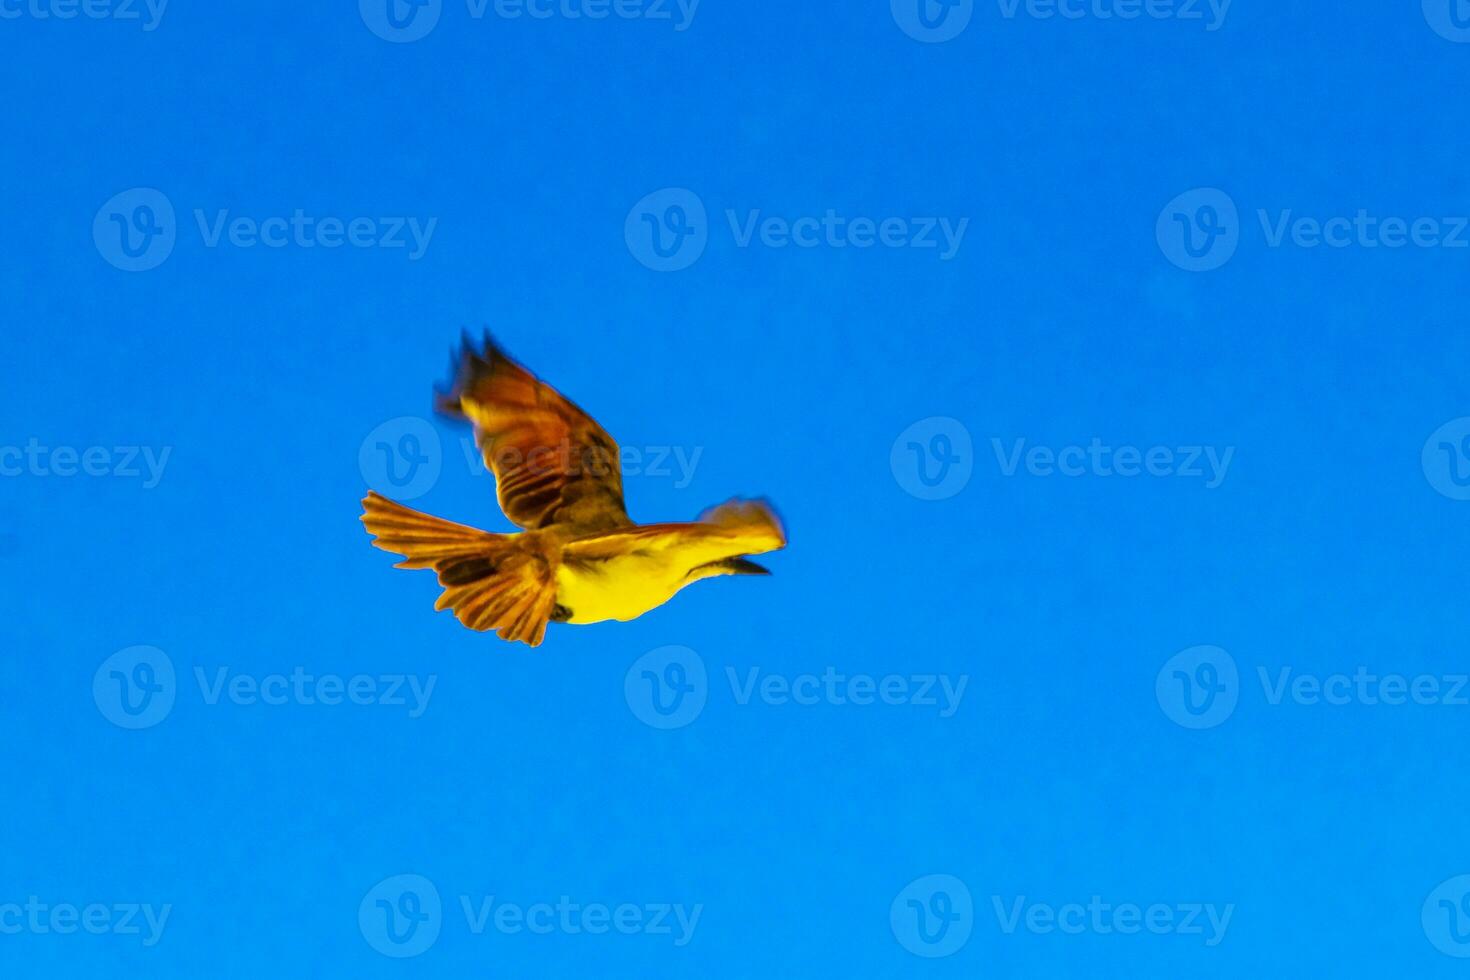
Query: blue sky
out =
(1106, 362)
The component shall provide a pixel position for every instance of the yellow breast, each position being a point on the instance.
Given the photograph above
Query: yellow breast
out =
(621, 588)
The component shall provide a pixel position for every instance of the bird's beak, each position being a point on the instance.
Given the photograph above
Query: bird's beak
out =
(744, 566)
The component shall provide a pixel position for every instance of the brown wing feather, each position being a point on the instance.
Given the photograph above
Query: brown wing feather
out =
(552, 463)
(750, 527)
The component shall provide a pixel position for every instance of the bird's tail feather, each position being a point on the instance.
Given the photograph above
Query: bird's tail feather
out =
(490, 580)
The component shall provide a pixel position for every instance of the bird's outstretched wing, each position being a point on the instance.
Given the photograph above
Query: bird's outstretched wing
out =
(552, 463)
(733, 529)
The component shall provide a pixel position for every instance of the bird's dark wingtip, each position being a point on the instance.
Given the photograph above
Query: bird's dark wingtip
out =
(465, 364)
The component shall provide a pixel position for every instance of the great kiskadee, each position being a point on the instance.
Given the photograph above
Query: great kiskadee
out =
(579, 558)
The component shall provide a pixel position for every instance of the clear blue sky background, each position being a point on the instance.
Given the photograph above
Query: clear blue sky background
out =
(1060, 319)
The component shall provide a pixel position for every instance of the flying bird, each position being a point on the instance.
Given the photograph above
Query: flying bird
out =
(578, 558)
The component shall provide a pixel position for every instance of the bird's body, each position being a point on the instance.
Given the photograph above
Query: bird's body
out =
(580, 558)
(628, 585)
(621, 588)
